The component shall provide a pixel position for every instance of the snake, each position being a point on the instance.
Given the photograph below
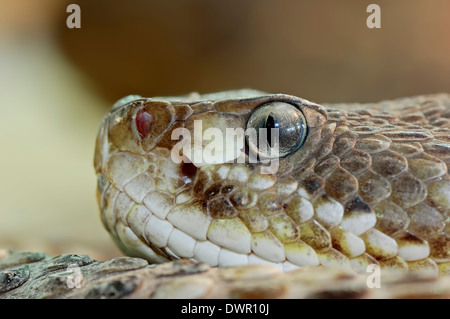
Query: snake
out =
(298, 184)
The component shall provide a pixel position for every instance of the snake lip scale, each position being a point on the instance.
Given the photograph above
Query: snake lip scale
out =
(357, 185)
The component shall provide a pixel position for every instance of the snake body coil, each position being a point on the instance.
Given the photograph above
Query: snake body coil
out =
(355, 184)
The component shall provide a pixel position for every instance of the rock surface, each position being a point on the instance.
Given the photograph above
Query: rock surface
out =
(38, 275)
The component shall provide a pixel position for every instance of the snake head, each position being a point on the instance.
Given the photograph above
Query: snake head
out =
(245, 177)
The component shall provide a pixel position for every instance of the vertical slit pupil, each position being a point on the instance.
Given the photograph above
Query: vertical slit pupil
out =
(270, 124)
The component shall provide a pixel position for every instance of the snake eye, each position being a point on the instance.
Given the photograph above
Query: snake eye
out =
(144, 121)
(280, 130)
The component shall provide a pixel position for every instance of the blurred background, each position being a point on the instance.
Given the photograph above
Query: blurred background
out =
(57, 83)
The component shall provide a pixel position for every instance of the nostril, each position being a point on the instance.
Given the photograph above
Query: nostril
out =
(144, 121)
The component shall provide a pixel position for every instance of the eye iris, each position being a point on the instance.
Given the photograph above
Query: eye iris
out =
(144, 121)
(290, 133)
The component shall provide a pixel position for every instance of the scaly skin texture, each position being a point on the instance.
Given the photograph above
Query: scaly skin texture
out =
(370, 185)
